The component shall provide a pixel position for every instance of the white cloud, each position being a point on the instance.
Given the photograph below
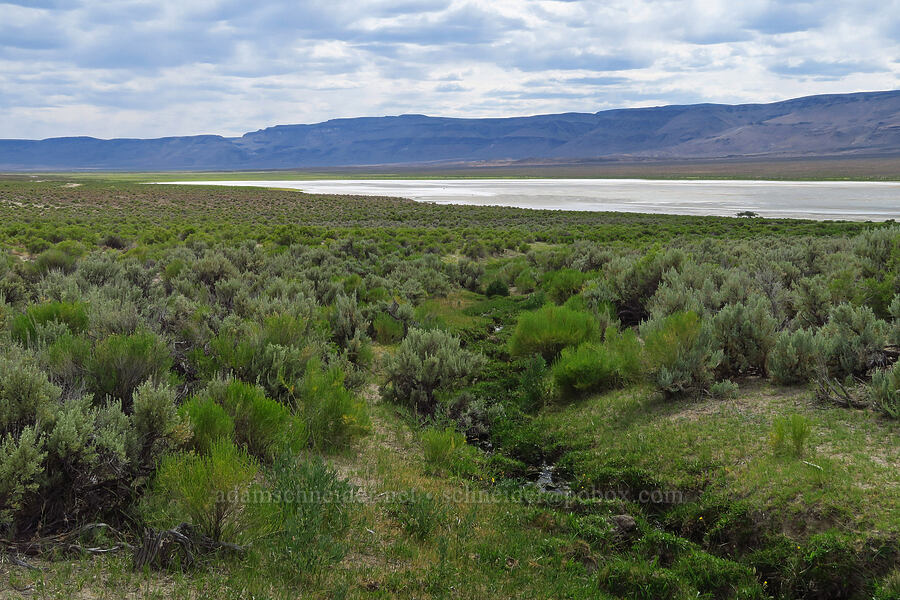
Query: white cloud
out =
(142, 68)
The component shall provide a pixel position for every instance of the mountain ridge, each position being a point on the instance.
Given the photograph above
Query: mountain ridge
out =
(823, 125)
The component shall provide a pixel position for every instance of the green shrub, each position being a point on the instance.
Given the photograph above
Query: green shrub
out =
(563, 284)
(54, 259)
(795, 357)
(746, 334)
(853, 340)
(723, 389)
(549, 329)
(496, 288)
(207, 490)
(884, 391)
(65, 360)
(209, 422)
(680, 354)
(789, 435)
(24, 327)
(532, 383)
(120, 363)
(25, 393)
(332, 414)
(263, 426)
(525, 282)
(155, 418)
(597, 366)
(388, 330)
(426, 363)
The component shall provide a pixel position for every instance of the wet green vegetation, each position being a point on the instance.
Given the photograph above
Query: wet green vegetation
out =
(315, 396)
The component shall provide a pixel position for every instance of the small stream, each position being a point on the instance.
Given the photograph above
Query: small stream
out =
(546, 481)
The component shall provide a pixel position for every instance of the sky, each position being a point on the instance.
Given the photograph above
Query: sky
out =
(136, 68)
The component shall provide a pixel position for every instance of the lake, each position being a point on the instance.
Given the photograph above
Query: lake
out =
(851, 200)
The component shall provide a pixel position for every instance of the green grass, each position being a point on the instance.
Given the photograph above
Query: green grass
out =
(714, 447)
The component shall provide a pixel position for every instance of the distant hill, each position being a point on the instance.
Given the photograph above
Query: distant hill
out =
(833, 125)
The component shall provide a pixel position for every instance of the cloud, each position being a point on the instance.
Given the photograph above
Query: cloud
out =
(142, 68)
(818, 68)
(449, 87)
(789, 17)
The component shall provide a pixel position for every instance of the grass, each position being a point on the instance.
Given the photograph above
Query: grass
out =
(710, 446)
(450, 311)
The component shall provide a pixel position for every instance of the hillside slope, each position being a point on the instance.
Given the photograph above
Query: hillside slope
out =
(835, 125)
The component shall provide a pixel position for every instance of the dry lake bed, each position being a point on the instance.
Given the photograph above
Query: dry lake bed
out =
(846, 200)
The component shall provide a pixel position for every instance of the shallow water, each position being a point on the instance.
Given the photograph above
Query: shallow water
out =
(853, 200)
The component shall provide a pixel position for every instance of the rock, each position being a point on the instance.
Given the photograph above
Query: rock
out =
(624, 525)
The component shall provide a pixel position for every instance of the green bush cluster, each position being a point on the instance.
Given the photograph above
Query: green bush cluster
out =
(210, 491)
(549, 329)
(26, 327)
(332, 414)
(596, 366)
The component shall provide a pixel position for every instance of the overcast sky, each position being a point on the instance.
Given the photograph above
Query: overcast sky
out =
(137, 68)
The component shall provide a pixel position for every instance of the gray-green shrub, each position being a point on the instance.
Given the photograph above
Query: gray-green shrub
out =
(155, 418)
(884, 391)
(427, 363)
(723, 389)
(795, 357)
(26, 394)
(811, 301)
(746, 334)
(680, 353)
(853, 340)
(894, 310)
(347, 321)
